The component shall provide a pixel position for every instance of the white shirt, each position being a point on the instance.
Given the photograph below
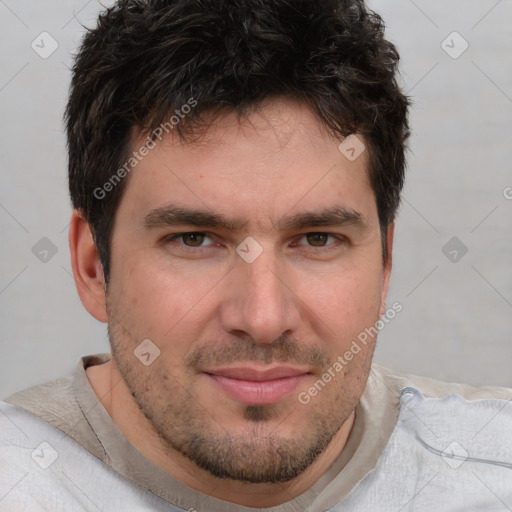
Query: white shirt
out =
(60, 451)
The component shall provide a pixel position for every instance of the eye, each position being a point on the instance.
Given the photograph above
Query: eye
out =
(317, 239)
(190, 239)
(320, 239)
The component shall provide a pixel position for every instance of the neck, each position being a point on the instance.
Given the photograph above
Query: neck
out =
(114, 395)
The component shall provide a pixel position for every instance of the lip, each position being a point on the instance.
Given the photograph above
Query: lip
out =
(252, 386)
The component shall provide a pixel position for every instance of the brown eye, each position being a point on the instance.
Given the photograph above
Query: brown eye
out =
(190, 239)
(193, 239)
(317, 242)
(317, 239)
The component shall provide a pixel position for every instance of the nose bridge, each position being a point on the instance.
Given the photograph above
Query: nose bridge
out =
(261, 304)
(263, 283)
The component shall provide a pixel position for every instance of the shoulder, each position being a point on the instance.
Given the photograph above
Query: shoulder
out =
(54, 401)
(436, 414)
(42, 468)
(450, 445)
(396, 381)
(55, 404)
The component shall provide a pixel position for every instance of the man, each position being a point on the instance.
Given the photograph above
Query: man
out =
(235, 169)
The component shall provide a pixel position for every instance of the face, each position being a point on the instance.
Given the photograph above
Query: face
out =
(251, 260)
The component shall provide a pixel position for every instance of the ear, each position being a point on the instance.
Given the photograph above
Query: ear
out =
(87, 268)
(386, 272)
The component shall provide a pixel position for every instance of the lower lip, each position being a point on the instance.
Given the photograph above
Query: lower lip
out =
(258, 393)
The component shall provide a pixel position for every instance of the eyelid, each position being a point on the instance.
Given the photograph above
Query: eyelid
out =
(173, 236)
(341, 239)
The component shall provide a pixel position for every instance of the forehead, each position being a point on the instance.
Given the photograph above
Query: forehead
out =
(266, 163)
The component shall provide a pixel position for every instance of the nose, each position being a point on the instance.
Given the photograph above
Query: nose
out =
(259, 300)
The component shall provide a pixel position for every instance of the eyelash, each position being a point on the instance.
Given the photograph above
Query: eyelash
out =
(174, 237)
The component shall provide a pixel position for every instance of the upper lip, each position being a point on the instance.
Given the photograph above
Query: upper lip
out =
(257, 375)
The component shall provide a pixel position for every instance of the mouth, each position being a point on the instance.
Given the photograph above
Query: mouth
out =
(257, 386)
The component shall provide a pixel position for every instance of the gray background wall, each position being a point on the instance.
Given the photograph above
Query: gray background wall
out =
(456, 322)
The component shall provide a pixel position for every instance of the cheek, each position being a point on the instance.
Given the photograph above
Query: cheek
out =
(160, 302)
(343, 304)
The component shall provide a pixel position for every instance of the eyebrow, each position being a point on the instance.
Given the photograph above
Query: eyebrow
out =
(336, 216)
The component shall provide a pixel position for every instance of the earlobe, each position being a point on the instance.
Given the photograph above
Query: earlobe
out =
(386, 274)
(87, 268)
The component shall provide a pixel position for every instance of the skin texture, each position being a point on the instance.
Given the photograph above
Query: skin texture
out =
(300, 303)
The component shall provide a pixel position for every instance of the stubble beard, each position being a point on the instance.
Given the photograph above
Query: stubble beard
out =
(256, 454)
